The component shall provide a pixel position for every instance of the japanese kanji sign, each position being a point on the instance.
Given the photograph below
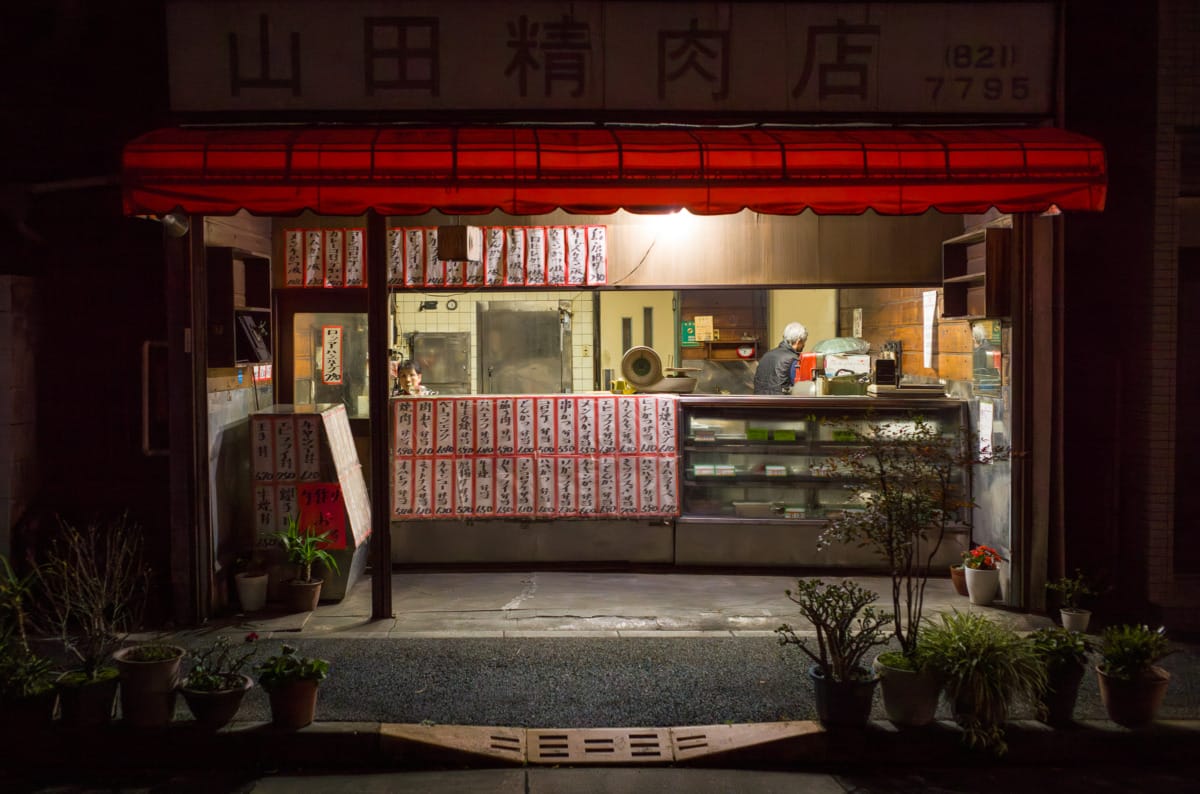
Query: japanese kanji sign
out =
(784, 57)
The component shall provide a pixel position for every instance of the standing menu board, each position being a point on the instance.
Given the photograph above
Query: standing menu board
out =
(304, 465)
(543, 456)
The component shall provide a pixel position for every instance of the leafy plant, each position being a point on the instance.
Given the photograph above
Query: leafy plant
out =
(1073, 589)
(22, 672)
(846, 626)
(287, 666)
(1057, 647)
(15, 593)
(219, 666)
(986, 667)
(906, 478)
(1127, 652)
(152, 652)
(304, 548)
(92, 588)
(982, 558)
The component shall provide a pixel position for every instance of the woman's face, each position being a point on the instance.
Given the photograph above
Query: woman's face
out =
(410, 379)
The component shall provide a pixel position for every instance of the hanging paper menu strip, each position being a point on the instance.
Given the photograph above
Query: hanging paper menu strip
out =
(335, 266)
(556, 256)
(535, 256)
(313, 271)
(294, 257)
(331, 354)
(356, 271)
(395, 265)
(597, 255)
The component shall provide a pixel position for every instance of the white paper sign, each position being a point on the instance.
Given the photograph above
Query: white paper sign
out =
(929, 299)
(986, 414)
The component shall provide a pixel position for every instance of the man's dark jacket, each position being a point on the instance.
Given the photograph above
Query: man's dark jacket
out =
(775, 370)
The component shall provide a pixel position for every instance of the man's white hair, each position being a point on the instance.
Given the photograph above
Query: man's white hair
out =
(794, 332)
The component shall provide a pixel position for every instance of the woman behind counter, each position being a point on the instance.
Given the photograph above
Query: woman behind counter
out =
(408, 381)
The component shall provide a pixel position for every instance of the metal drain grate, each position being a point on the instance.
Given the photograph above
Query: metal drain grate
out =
(691, 743)
(505, 743)
(598, 746)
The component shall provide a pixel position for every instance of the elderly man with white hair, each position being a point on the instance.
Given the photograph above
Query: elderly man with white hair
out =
(774, 373)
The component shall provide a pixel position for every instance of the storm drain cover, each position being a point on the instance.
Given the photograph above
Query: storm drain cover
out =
(599, 746)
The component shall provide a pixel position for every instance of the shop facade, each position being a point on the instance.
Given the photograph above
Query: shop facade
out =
(867, 211)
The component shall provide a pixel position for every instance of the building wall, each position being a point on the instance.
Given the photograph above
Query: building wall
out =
(18, 404)
(1177, 593)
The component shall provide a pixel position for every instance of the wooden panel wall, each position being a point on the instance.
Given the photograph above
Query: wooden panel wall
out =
(681, 250)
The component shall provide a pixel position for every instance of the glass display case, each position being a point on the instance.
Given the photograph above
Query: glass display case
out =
(757, 484)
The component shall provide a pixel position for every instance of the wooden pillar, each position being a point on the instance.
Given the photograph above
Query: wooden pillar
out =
(377, 349)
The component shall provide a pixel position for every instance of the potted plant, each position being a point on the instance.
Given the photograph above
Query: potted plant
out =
(1073, 589)
(1064, 654)
(986, 667)
(958, 578)
(291, 683)
(1132, 685)
(981, 565)
(847, 627)
(304, 548)
(27, 695)
(215, 684)
(91, 591)
(250, 578)
(149, 675)
(906, 478)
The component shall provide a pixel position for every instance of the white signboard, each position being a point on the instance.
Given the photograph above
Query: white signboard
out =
(784, 57)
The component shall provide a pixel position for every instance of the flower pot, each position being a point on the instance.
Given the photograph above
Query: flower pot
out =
(982, 584)
(910, 697)
(148, 687)
(1075, 619)
(87, 704)
(301, 596)
(1134, 703)
(1062, 690)
(251, 590)
(842, 704)
(959, 579)
(293, 704)
(214, 709)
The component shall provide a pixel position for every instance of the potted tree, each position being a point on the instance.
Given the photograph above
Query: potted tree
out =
(91, 591)
(27, 696)
(1132, 685)
(981, 565)
(291, 682)
(1064, 654)
(847, 627)
(215, 684)
(304, 548)
(1073, 589)
(985, 667)
(906, 480)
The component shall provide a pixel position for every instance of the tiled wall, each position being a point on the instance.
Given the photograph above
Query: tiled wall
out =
(18, 403)
(1178, 107)
(409, 318)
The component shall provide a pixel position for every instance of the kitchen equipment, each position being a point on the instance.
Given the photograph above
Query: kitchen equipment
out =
(643, 368)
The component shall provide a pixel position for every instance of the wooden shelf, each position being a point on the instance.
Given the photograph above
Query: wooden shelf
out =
(975, 274)
(239, 317)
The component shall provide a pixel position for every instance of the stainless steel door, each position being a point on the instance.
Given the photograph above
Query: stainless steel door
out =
(524, 347)
(445, 359)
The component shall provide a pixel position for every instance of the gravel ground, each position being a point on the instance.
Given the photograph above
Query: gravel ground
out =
(600, 682)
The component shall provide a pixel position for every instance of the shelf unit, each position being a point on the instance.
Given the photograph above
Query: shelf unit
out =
(755, 483)
(722, 350)
(975, 274)
(239, 307)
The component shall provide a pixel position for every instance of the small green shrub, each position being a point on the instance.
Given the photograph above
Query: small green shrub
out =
(288, 666)
(1128, 651)
(847, 626)
(218, 666)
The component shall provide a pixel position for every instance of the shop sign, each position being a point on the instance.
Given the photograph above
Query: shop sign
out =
(614, 55)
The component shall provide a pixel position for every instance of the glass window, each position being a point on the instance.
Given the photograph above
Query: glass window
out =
(330, 364)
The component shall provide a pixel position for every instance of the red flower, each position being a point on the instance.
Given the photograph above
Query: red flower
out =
(982, 557)
(252, 636)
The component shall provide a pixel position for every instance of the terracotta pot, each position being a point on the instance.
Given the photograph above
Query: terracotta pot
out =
(301, 596)
(251, 590)
(1062, 690)
(1134, 703)
(293, 704)
(983, 584)
(148, 687)
(842, 704)
(1075, 619)
(89, 704)
(958, 579)
(214, 709)
(909, 697)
